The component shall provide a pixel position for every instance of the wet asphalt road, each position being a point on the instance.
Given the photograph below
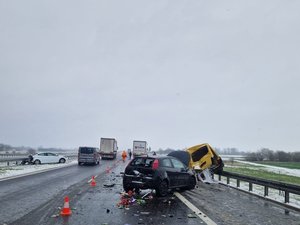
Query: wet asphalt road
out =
(36, 199)
(20, 196)
(225, 205)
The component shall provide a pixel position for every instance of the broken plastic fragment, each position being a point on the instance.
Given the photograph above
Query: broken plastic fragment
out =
(109, 185)
(192, 215)
(132, 200)
(146, 194)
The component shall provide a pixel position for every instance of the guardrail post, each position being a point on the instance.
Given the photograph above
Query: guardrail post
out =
(7, 163)
(286, 197)
(250, 186)
(266, 191)
(219, 177)
(238, 183)
(228, 180)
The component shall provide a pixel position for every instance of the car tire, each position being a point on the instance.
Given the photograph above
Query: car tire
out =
(162, 189)
(37, 162)
(127, 187)
(62, 160)
(192, 183)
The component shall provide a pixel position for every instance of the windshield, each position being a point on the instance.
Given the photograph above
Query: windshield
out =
(197, 155)
(86, 150)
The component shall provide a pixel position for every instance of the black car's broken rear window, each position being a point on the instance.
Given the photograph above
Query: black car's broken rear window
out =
(142, 162)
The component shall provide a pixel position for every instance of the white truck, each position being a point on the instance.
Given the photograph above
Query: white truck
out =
(108, 148)
(139, 148)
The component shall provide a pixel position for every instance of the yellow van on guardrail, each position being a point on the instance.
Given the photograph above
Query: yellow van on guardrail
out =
(203, 156)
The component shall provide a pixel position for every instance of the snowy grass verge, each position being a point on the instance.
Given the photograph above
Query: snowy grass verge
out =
(9, 172)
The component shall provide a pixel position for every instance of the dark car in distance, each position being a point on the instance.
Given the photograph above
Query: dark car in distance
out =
(158, 172)
(88, 155)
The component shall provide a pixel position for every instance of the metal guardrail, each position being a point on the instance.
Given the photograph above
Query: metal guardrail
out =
(284, 187)
(12, 157)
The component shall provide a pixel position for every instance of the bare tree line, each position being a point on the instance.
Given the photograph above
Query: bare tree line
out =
(266, 154)
(4, 148)
(263, 154)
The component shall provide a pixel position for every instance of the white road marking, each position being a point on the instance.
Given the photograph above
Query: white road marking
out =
(197, 211)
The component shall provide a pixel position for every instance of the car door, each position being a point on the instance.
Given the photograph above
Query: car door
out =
(42, 157)
(167, 165)
(52, 158)
(181, 172)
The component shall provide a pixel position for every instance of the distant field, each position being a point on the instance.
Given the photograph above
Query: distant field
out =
(289, 165)
(260, 172)
(240, 164)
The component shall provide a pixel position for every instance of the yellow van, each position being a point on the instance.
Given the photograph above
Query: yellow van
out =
(203, 156)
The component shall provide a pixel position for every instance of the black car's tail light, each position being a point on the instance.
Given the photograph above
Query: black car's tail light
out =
(155, 164)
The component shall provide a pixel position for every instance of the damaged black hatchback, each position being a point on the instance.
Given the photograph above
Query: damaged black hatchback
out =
(159, 173)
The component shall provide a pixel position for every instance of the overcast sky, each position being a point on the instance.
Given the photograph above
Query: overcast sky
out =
(173, 73)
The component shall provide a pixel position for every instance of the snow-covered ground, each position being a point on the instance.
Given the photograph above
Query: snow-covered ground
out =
(232, 157)
(21, 170)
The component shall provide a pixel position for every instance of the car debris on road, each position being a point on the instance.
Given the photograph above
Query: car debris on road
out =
(130, 197)
(28, 160)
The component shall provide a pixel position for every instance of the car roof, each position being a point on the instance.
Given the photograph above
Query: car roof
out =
(56, 153)
(155, 157)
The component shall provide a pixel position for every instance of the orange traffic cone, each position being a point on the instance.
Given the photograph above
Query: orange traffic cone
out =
(93, 182)
(66, 211)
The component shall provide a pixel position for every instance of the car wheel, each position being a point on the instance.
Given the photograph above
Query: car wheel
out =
(37, 161)
(162, 189)
(192, 183)
(127, 188)
(62, 160)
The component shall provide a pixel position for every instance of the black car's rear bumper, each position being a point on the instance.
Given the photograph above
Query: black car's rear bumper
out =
(144, 182)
